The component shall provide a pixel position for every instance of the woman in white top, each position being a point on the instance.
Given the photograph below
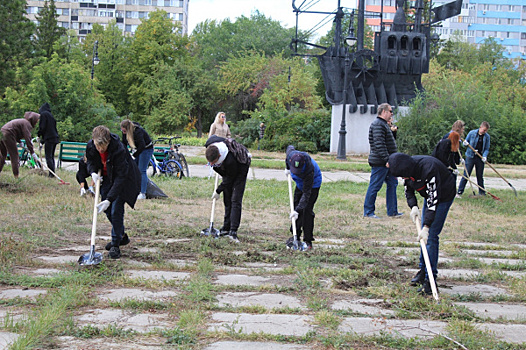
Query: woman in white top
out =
(219, 127)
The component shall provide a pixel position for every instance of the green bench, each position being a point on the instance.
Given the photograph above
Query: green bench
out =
(21, 147)
(70, 152)
(73, 151)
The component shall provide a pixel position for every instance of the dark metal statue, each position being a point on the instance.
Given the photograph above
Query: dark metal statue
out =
(391, 72)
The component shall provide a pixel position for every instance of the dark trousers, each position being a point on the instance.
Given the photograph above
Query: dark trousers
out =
(114, 213)
(8, 145)
(306, 216)
(233, 199)
(49, 149)
(479, 171)
(81, 179)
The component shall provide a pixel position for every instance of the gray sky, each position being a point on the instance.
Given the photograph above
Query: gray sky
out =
(280, 10)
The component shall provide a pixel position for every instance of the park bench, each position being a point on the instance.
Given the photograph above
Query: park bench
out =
(70, 152)
(21, 147)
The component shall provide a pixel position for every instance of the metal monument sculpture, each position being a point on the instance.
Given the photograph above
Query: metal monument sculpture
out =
(362, 78)
(392, 71)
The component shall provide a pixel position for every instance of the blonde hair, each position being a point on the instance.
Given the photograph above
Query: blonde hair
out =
(101, 136)
(130, 129)
(455, 138)
(218, 115)
(458, 127)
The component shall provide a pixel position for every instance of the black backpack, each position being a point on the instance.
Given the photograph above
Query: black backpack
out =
(240, 152)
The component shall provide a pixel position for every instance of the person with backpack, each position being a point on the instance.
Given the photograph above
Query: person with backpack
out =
(231, 160)
(137, 138)
(307, 175)
(48, 134)
(447, 151)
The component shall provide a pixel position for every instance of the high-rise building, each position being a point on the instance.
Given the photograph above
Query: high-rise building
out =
(504, 20)
(80, 15)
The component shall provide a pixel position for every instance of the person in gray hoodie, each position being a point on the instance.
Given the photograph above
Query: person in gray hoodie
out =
(12, 133)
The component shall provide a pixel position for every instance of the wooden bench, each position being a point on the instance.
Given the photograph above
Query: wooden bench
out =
(70, 152)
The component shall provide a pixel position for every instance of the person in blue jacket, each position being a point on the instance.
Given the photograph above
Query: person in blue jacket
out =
(479, 139)
(307, 175)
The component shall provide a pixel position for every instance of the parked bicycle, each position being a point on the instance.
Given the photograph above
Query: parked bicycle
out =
(25, 157)
(174, 153)
(170, 165)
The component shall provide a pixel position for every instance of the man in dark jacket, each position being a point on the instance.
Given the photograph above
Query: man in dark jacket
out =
(307, 175)
(12, 133)
(47, 131)
(382, 144)
(120, 182)
(231, 160)
(432, 180)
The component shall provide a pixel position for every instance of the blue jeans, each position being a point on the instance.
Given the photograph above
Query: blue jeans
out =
(479, 171)
(142, 162)
(379, 175)
(434, 231)
(114, 213)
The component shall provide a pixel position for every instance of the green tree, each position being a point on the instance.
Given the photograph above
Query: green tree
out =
(48, 30)
(216, 41)
(156, 41)
(15, 40)
(66, 86)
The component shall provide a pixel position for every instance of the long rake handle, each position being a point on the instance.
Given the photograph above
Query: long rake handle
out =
(491, 166)
(291, 199)
(485, 190)
(95, 214)
(214, 201)
(427, 261)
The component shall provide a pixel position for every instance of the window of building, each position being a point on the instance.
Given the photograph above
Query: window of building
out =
(64, 25)
(510, 21)
(119, 14)
(507, 35)
(143, 14)
(482, 33)
(485, 7)
(32, 9)
(523, 35)
(498, 8)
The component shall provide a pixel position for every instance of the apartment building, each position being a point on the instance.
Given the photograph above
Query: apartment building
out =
(504, 20)
(80, 15)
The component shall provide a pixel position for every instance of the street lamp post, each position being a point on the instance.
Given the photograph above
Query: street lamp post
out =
(350, 40)
(94, 60)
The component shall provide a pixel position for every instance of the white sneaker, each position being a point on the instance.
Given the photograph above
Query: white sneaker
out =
(458, 196)
(141, 196)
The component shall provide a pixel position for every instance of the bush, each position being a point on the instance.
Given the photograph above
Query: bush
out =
(309, 131)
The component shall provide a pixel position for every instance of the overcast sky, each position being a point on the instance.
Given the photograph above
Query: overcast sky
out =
(280, 10)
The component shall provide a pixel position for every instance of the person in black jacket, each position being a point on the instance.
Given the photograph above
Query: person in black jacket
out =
(47, 131)
(137, 138)
(81, 176)
(432, 180)
(231, 160)
(120, 182)
(447, 151)
(382, 144)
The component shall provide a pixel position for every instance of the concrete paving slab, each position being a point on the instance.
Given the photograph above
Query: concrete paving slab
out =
(332, 241)
(265, 266)
(487, 252)
(482, 289)
(516, 274)
(490, 261)
(80, 248)
(451, 273)
(11, 315)
(146, 250)
(329, 246)
(139, 322)
(137, 343)
(46, 272)
(267, 300)
(137, 263)
(403, 328)
(158, 275)
(6, 339)
(134, 293)
(479, 244)
(62, 259)
(363, 306)
(242, 280)
(512, 333)
(177, 240)
(293, 325)
(252, 345)
(181, 262)
(21, 293)
(516, 312)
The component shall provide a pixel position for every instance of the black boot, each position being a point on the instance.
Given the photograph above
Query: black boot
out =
(419, 278)
(426, 288)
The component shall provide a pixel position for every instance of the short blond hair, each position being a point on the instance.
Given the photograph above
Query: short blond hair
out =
(101, 135)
